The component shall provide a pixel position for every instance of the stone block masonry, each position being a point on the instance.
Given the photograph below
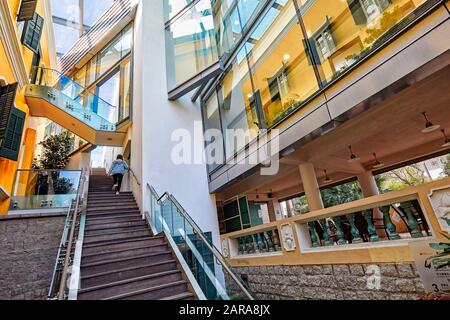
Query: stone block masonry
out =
(28, 249)
(333, 282)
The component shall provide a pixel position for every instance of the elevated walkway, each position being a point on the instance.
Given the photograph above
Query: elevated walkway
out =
(65, 102)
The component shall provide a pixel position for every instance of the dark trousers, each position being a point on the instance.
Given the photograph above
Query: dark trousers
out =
(118, 180)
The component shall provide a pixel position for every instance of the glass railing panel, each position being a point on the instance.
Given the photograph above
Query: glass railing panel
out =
(44, 189)
(341, 33)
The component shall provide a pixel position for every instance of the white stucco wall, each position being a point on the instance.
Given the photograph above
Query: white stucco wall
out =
(155, 118)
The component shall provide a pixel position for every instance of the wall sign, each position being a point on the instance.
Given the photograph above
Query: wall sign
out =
(433, 264)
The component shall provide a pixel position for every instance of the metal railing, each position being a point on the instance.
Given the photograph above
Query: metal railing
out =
(58, 286)
(187, 234)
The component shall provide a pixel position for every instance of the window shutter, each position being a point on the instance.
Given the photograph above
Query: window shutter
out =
(27, 10)
(7, 97)
(32, 32)
(357, 12)
(13, 136)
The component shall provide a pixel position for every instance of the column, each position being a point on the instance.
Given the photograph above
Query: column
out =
(275, 213)
(369, 188)
(311, 186)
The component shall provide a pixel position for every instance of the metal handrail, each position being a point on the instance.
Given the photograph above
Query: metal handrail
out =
(199, 232)
(62, 244)
(62, 285)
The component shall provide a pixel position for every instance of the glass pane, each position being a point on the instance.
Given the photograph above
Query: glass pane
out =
(44, 189)
(232, 19)
(94, 9)
(237, 107)
(172, 7)
(190, 44)
(282, 73)
(109, 57)
(125, 94)
(343, 32)
(213, 134)
(109, 91)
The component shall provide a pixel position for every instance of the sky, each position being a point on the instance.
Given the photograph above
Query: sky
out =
(66, 36)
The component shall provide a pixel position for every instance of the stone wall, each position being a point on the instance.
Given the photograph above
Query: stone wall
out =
(28, 249)
(334, 282)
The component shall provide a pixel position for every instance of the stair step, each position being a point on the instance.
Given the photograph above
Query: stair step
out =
(117, 236)
(110, 198)
(123, 253)
(121, 243)
(116, 225)
(108, 193)
(129, 285)
(113, 208)
(113, 217)
(109, 265)
(113, 231)
(95, 202)
(102, 221)
(113, 213)
(108, 205)
(126, 273)
(181, 296)
(155, 293)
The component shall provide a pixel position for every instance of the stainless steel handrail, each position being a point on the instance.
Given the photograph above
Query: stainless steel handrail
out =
(62, 285)
(200, 233)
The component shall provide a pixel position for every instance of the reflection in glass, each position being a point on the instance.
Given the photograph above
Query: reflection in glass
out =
(109, 91)
(282, 73)
(238, 108)
(341, 33)
(213, 130)
(190, 44)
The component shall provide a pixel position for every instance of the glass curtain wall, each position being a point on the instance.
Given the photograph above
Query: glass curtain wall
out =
(110, 70)
(190, 43)
(341, 33)
(293, 50)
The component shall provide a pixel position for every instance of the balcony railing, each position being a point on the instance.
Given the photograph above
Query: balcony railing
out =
(388, 222)
(44, 189)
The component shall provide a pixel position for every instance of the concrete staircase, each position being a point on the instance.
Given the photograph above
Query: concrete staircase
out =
(122, 259)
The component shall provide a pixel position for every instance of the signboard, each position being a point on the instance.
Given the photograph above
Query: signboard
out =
(433, 265)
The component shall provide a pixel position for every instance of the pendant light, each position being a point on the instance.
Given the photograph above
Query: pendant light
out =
(447, 139)
(429, 126)
(353, 157)
(378, 164)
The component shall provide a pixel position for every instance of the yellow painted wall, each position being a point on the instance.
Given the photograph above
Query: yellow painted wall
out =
(8, 168)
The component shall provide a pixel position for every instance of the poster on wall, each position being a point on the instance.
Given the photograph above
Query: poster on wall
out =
(433, 264)
(440, 200)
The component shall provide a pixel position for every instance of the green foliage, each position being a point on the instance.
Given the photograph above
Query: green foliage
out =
(56, 151)
(402, 178)
(341, 194)
(288, 107)
(447, 166)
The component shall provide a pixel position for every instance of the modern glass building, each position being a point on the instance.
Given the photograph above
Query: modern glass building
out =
(277, 149)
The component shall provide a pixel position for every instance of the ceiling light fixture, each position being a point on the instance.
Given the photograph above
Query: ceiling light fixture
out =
(353, 157)
(429, 127)
(447, 139)
(327, 178)
(378, 164)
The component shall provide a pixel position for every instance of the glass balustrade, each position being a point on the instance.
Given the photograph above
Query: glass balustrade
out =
(49, 189)
(73, 98)
(199, 253)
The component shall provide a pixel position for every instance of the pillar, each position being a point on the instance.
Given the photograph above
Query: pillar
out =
(311, 186)
(369, 188)
(275, 213)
